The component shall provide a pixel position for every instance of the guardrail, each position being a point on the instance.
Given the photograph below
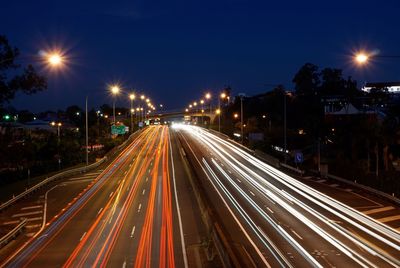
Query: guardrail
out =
(13, 233)
(363, 187)
(50, 179)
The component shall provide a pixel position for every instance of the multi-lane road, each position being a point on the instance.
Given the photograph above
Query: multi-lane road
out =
(141, 210)
(285, 222)
(128, 216)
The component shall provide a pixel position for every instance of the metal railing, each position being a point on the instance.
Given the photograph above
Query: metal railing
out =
(12, 234)
(50, 179)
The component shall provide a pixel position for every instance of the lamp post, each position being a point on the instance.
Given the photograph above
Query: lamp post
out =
(114, 91)
(208, 97)
(284, 126)
(132, 97)
(87, 132)
(202, 111)
(241, 116)
(222, 96)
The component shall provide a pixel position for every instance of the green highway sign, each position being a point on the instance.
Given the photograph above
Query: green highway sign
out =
(118, 130)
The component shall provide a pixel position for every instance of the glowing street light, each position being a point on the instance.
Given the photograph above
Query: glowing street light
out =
(114, 90)
(132, 97)
(361, 58)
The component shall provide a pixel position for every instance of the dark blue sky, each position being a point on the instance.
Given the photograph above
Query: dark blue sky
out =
(175, 50)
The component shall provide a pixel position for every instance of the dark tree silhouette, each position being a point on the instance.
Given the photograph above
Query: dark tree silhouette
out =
(12, 79)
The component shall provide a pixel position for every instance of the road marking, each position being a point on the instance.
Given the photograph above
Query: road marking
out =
(334, 185)
(10, 222)
(27, 214)
(185, 262)
(321, 180)
(229, 171)
(99, 211)
(32, 207)
(133, 231)
(239, 180)
(293, 231)
(82, 236)
(30, 234)
(32, 226)
(149, 170)
(391, 218)
(124, 264)
(111, 194)
(125, 172)
(147, 178)
(376, 210)
(144, 190)
(252, 193)
(118, 182)
(140, 206)
(270, 210)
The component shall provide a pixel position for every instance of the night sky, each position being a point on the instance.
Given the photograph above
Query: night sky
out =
(174, 51)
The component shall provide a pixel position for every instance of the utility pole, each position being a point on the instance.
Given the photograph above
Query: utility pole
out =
(284, 125)
(241, 95)
(87, 132)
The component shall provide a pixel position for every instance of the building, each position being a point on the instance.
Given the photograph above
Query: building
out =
(390, 87)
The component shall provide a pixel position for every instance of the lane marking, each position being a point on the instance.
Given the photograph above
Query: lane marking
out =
(140, 206)
(10, 222)
(32, 207)
(34, 219)
(334, 185)
(296, 234)
(133, 231)
(270, 210)
(144, 190)
(111, 194)
(82, 236)
(376, 210)
(390, 218)
(147, 178)
(27, 214)
(320, 181)
(252, 193)
(99, 211)
(32, 226)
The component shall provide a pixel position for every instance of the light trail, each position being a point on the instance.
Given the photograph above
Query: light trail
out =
(24, 255)
(247, 166)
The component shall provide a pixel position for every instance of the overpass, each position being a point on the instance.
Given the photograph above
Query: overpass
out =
(192, 116)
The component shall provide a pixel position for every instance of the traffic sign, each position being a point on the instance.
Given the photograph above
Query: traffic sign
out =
(298, 157)
(118, 130)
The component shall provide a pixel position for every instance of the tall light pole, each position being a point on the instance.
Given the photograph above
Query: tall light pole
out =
(222, 96)
(208, 97)
(114, 91)
(132, 97)
(284, 125)
(202, 111)
(87, 132)
(241, 116)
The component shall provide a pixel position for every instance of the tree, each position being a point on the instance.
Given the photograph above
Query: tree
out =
(12, 79)
(307, 80)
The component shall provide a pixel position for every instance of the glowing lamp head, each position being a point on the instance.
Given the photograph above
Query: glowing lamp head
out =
(115, 90)
(132, 96)
(223, 95)
(208, 96)
(218, 111)
(361, 58)
(55, 59)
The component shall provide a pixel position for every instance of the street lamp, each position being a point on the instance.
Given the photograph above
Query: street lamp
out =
(132, 97)
(361, 58)
(114, 90)
(222, 96)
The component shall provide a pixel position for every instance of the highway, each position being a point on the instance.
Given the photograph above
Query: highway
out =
(284, 222)
(128, 216)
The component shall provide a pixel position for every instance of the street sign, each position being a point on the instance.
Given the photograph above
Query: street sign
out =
(298, 157)
(118, 130)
